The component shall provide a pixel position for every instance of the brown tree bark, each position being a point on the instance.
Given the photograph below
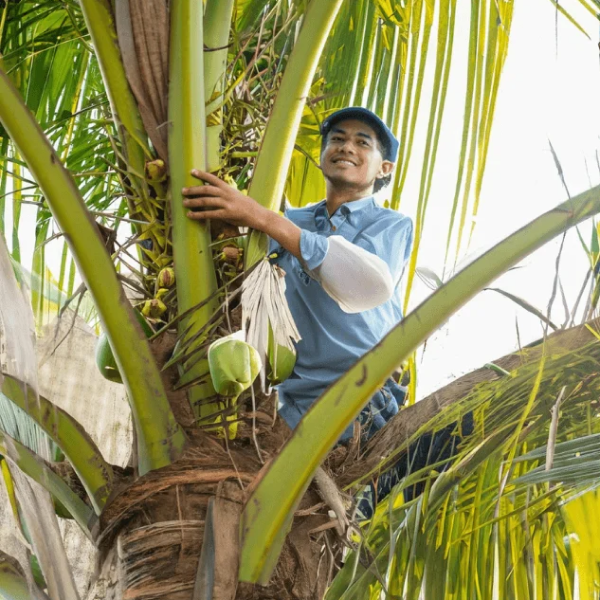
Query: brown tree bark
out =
(153, 531)
(408, 421)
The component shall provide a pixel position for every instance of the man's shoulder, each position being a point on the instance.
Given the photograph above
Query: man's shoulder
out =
(388, 217)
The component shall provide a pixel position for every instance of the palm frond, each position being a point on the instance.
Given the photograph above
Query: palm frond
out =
(490, 524)
(13, 581)
(61, 83)
(318, 431)
(46, 540)
(39, 471)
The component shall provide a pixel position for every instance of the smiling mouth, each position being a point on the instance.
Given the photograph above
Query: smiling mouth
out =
(342, 161)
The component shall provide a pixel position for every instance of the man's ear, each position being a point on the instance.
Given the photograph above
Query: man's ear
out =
(387, 167)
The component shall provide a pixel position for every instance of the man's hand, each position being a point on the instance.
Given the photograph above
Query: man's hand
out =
(221, 201)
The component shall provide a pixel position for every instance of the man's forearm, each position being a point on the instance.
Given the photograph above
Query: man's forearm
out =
(282, 230)
(356, 279)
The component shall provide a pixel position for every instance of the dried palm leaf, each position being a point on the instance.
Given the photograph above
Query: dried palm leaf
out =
(38, 511)
(265, 308)
(143, 32)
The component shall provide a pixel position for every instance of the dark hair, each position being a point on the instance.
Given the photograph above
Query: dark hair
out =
(382, 182)
(379, 183)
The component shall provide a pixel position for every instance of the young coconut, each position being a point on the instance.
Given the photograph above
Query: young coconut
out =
(105, 359)
(233, 364)
(282, 361)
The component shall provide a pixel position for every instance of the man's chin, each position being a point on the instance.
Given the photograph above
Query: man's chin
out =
(343, 182)
(346, 185)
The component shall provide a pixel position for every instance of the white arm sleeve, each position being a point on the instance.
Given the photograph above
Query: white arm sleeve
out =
(354, 277)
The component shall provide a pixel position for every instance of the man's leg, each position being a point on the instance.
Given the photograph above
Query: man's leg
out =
(429, 449)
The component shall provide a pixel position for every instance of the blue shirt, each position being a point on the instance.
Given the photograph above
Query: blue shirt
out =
(333, 340)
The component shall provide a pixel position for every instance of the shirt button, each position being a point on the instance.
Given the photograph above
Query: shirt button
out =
(333, 228)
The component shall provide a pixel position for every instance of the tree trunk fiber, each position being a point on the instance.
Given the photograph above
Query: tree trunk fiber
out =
(108, 584)
(153, 532)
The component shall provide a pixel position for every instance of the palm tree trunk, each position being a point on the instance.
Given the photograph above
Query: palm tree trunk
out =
(180, 524)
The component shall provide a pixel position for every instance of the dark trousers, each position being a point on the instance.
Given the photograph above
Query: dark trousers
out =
(429, 449)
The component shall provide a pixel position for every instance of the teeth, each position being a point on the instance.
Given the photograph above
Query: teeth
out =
(346, 162)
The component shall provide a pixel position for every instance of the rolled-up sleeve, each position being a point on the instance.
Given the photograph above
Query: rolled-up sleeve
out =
(362, 275)
(391, 240)
(355, 278)
(362, 272)
(313, 248)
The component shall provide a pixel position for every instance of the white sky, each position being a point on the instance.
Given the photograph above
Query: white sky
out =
(549, 91)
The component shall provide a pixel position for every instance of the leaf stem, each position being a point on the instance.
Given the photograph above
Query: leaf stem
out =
(160, 438)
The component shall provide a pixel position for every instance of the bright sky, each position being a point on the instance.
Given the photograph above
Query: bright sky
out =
(550, 91)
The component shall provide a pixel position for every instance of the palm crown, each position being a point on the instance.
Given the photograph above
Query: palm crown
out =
(105, 109)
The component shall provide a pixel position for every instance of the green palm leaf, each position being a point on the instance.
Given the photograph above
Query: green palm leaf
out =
(264, 522)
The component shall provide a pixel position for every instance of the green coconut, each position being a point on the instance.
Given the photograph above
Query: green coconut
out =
(234, 365)
(105, 359)
(281, 359)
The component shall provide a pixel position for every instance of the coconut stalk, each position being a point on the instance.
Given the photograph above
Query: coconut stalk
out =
(100, 24)
(217, 24)
(194, 269)
(95, 474)
(270, 508)
(160, 439)
(270, 175)
(273, 161)
(33, 466)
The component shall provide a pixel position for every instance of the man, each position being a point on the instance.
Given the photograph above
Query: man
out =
(343, 258)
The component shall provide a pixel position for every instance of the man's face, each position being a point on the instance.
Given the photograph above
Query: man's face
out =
(352, 157)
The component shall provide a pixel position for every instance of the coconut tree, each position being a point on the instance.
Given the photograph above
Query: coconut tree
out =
(106, 108)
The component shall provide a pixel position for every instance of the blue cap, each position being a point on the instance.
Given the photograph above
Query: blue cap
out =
(386, 137)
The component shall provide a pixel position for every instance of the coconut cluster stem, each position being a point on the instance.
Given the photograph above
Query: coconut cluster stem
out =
(217, 23)
(194, 269)
(275, 154)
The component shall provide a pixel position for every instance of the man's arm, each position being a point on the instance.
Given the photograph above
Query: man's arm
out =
(363, 274)
(221, 201)
(355, 277)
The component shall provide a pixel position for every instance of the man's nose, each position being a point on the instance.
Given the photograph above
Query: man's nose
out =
(348, 146)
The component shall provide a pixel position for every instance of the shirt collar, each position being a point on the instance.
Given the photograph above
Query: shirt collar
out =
(356, 205)
(346, 209)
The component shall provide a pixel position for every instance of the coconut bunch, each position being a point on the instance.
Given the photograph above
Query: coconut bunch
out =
(189, 331)
(264, 346)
